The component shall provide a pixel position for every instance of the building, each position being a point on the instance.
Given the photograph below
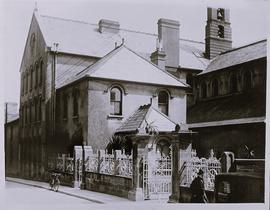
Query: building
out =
(80, 82)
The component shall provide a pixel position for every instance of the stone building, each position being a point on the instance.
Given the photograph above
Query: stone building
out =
(81, 81)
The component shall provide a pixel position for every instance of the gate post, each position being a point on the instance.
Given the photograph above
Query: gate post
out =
(174, 197)
(136, 194)
(77, 158)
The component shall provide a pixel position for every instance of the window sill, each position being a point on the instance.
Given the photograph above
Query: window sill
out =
(75, 117)
(111, 116)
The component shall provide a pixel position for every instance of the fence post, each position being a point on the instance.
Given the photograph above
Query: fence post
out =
(117, 156)
(101, 154)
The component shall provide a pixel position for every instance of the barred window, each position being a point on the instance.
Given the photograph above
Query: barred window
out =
(116, 101)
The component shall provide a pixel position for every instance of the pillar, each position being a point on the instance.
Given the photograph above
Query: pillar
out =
(136, 194)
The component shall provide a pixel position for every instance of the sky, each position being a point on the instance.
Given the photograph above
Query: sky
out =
(248, 22)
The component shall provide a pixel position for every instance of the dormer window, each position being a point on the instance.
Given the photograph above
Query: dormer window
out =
(163, 102)
(116, 101)
(220, 14)
(220, 31)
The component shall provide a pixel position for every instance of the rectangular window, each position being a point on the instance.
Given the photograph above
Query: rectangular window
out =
(75, 103)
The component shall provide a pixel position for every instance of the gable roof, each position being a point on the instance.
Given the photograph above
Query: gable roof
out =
(125, 65)
(82, 38)
(144, 116)
(238, 56)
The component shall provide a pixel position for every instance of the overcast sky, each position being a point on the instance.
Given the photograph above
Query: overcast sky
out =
(248, 22)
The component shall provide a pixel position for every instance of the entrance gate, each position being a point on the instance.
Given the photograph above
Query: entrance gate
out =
(157, 175)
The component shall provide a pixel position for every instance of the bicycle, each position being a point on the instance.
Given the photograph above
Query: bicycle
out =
(54, 182)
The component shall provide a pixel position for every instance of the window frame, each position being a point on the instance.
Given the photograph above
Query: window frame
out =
(119, 102)
(166, 104)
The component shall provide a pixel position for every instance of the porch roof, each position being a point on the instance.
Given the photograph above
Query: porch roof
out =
(146, 117)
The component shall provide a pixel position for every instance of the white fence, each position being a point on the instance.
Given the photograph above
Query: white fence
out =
(210, 166)
(117, 164)
(61, 163)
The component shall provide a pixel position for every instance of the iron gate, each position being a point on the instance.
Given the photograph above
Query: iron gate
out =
(157, 175)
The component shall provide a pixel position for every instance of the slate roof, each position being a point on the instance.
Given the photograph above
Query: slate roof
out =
(144, 116)
(82, 38)
(125, 65)
(238, 106)
(238, 56)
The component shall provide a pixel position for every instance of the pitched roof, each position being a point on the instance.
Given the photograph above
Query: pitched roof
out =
(146, 115)
(125, 65)
(237, 106)
(78, 37)
(238, 56)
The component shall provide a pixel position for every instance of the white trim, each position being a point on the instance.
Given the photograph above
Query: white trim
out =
(227, 122)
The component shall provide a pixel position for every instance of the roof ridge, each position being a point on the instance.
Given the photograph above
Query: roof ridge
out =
(121, 29)
(246, 45)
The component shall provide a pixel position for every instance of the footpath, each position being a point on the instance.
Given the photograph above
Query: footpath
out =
(92, 196)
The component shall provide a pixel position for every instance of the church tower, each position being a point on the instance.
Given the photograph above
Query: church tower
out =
(218, 33)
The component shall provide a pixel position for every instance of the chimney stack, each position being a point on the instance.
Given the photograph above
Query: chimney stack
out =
(218, 34)
(168, 32)
(158, 57)
(108, 26)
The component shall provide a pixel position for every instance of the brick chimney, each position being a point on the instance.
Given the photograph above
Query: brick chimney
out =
(158, 56)
(108, 26)
(218, 34)
(168, 34)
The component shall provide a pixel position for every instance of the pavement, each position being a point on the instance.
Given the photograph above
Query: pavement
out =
(92, 196)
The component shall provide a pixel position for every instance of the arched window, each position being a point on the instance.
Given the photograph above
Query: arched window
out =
(116, 101)
(220, 14)
(221, 31)
(36, 75)
(40, 73)
(163, 102)
(233, 83)
(247, 80)
(203, 90)
(215, 88)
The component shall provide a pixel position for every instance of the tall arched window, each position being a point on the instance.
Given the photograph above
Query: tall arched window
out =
(233, 83)
(75, 102)
(203, 90)
(247, 80)
(215, 88)
(116, 101)
(163, 102)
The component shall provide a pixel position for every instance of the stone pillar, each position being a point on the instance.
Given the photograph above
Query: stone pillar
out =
(77, 159)
(136, 194)
(174, 197)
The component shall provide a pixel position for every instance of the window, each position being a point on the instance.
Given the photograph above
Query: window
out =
(220, 31)
(26, 82)
(233, 83)
(203, 90)
(40, 73)
(36, 75)
(40, 110)
(247, 80)
(220, 14)
(163, 102)
(215, 88)
(31, 77)
(75, 102)
(116, 101)
(65, 106)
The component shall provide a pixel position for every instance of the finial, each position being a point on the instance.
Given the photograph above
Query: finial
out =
(36, 8)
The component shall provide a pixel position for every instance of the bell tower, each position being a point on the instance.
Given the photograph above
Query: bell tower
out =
(218, 33)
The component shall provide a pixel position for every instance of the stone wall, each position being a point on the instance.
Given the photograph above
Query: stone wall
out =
(109, 184)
